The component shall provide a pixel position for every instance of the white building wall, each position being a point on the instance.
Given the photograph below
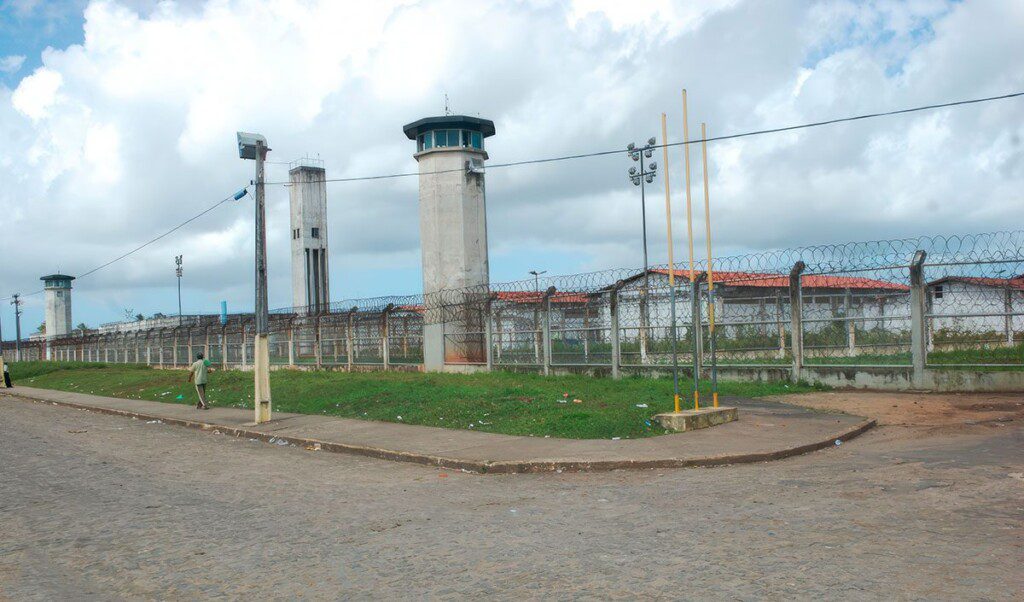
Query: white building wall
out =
(58, 311)
(309, 248)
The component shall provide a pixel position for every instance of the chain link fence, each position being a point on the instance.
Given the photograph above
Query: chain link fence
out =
(941, 302)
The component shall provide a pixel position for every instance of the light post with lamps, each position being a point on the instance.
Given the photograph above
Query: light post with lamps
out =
(177, 271)
(639, 177)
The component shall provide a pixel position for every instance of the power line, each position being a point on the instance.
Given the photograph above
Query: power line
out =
(672, 144)
(235, 196)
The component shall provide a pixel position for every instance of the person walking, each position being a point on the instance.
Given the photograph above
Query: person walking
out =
(7, 375)
(198, 372)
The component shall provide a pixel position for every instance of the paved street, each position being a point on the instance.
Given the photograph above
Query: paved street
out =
(102, 507)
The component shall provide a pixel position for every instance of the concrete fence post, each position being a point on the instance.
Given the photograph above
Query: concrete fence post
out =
(546, 329)
(245, 351)
(489, 332)
(318, 342)
(1008, 319)
(796, 323)
(206, 343)
(291, 345)
(385, 334)
(851, 325)
(350, 345)
(613, 311)
(224, 346)
(918, 295)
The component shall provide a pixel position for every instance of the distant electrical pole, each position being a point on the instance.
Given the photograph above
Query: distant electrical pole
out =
(177, 262)
(536, 279)
(17, 303)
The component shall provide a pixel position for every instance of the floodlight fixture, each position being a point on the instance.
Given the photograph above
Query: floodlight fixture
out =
(247, 144)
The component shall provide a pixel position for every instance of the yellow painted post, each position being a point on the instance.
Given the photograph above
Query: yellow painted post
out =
(711, 275)
(689, 230)
(671, 260)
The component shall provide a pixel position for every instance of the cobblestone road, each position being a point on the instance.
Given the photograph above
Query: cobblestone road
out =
(101, 507)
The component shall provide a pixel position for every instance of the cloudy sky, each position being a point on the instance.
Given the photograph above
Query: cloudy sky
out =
(117, 121)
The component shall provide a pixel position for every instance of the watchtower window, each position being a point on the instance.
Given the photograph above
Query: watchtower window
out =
(449, 138)
(315, 233)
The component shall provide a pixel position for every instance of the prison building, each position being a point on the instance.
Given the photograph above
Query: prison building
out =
(968, 310)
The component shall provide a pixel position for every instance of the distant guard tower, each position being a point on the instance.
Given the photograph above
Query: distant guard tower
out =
(58, 306)
(453, 232)
(310, 288)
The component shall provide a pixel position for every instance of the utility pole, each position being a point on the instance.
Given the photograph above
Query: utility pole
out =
(639, 178)
(177, 262)
(536, 279)
(254, 146)
(17, 302)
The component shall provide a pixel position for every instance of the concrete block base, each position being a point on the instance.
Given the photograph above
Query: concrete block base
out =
(691, 420)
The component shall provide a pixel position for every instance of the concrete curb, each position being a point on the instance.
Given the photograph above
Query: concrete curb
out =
(484, 467)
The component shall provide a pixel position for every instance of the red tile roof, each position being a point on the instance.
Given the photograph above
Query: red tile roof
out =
(414, 308)
(536, 297)
(757, 280)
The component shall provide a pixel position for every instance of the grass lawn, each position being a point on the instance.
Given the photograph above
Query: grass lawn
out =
(499, 402)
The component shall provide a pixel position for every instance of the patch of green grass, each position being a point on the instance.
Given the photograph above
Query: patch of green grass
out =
(499, 402)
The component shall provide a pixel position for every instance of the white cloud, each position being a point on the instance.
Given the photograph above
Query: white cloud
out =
(11, 63)
(37, 93)
(114, 140)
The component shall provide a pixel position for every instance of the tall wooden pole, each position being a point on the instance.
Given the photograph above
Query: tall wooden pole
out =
(671, 260)
(694, 302)
(711, 274)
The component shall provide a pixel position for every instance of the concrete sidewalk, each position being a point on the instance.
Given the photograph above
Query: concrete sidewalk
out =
(765, 431)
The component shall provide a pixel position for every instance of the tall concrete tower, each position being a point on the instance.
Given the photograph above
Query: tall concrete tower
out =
(58, 306)
(308, 195)
(453, 229)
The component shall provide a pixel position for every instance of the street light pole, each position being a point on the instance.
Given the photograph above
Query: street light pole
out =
(177, 262)
(254, 146)
(639, 178)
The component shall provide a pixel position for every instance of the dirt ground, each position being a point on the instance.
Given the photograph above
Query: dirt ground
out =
(946, 411)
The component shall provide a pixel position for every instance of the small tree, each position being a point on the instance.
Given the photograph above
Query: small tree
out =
(42, 328)
(82, 326)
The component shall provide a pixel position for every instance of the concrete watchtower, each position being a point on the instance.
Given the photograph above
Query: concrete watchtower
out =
(58, 306)
(453, 226)
(308, 196)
